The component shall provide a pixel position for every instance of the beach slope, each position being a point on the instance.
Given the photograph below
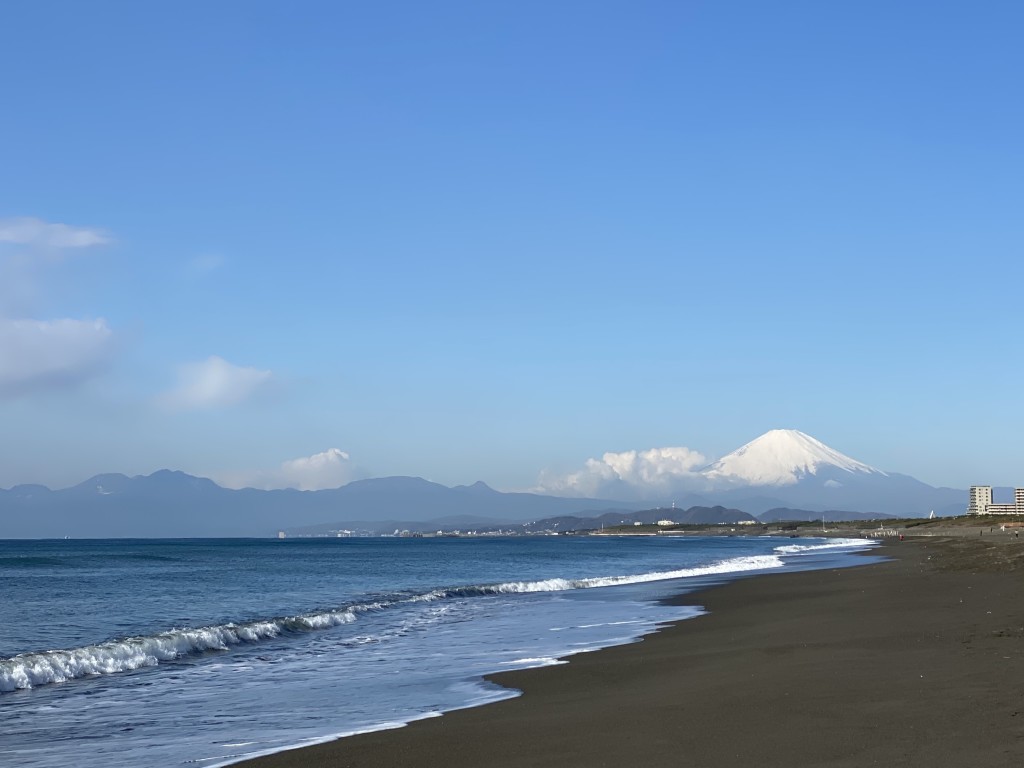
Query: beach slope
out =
(918, 661)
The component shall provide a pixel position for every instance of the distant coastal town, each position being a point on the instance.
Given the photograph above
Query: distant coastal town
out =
(980, 502)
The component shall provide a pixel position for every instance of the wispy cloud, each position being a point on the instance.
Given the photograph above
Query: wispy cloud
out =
(636, 474)
(38, 354)
(214, 383)
(329, 469)
(44, 354)
(33, 232)
(29, 247)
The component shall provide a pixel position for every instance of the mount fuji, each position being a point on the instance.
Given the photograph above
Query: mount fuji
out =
(783, 457)
(787, 468)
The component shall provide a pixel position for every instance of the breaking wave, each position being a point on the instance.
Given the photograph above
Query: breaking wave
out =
(736, 565)
(29, 670)
(797, 549)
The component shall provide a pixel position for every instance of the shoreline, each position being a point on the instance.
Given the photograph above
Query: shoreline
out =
(912, 661)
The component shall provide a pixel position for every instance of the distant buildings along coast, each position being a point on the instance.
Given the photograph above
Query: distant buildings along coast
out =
(980, 502)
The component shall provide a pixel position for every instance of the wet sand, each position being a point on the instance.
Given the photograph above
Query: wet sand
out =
(914, 662)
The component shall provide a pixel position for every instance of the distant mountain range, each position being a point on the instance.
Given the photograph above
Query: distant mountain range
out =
(781, 471)
(170, 504)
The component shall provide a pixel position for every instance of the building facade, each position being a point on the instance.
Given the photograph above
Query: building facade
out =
(980, 502)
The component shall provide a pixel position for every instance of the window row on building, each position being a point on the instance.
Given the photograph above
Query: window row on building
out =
(980, 502)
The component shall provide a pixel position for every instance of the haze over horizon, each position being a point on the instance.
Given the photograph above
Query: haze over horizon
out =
(294, 248)
(772, 463)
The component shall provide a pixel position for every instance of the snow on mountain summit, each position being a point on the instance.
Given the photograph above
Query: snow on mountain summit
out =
(781, 457)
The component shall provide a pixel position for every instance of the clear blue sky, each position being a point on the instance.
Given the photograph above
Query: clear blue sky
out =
(482, 241)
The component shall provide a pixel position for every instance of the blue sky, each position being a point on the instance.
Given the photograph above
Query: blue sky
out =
(489, 241)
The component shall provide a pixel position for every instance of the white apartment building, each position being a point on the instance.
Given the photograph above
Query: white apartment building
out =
(980, 502)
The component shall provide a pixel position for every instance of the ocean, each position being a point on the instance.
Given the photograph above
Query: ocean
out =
(205, 652)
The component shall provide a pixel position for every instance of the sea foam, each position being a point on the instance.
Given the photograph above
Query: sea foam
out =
(797, 549)
(29, 670)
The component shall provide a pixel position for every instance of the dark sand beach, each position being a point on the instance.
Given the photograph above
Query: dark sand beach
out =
(918, 661)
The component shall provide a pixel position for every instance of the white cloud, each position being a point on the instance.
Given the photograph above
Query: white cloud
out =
(47, 353)
(330, 469)
(638, 474)
(29, 248)
(34, 353)
(214, 383)
(30, 231)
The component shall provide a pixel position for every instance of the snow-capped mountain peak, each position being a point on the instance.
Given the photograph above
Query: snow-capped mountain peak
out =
(781, 457)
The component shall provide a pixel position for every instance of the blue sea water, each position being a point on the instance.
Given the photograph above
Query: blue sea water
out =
(204, 652)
